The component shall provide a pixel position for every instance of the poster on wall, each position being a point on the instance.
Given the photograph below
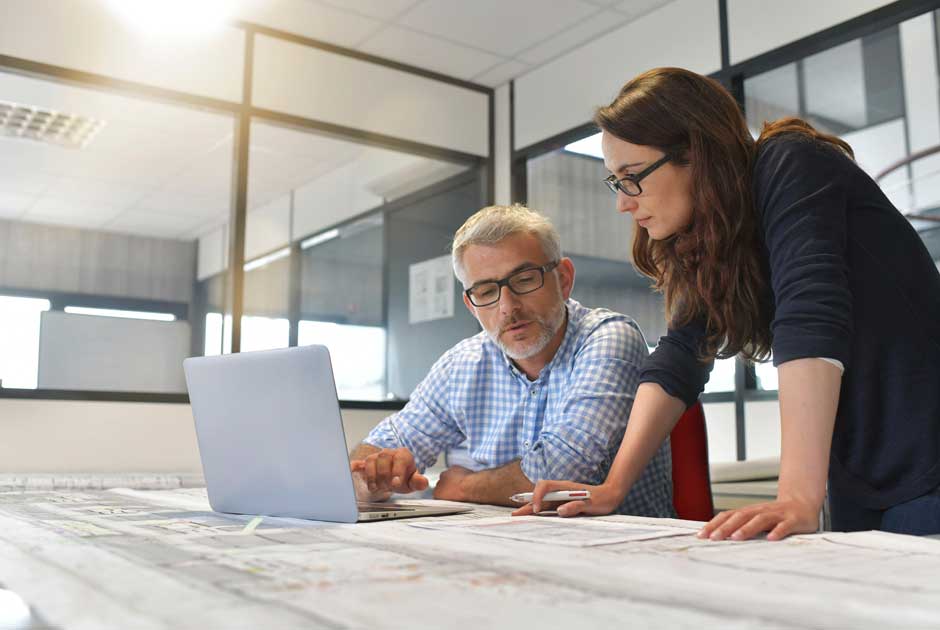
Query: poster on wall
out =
(430, 290)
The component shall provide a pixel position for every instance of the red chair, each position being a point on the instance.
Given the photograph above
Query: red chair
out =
(691, 483)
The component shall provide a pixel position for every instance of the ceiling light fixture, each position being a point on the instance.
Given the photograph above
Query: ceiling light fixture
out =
(110, 312)
(46, 125)
(266, 260)
(174, 17)
(587, 146)
(317, 239)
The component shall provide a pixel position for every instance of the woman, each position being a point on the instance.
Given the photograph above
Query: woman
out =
(782, 244)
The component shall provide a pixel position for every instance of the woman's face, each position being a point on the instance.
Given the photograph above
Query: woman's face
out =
(664, 207)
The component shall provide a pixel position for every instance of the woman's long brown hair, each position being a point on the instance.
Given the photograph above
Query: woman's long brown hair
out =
(714, 267)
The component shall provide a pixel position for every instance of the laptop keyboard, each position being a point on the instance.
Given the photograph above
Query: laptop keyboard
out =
(369, 508)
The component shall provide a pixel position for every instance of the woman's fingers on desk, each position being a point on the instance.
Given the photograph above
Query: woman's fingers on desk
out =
(780, 518)
(527, 510)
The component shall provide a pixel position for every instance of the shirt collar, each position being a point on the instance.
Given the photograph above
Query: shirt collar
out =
(562, 349)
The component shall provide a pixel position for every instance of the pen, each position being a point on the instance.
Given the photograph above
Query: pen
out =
(558, 495)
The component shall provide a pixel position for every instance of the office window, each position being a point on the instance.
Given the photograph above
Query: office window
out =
(766, 376)
(722, 376)
(213, 335)
(357, 354)
(264, 333)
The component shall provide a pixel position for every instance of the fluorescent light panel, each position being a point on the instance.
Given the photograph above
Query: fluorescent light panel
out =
(587, 146)
(46, 125)
(316, 239)
(110, 312)
(270, 258)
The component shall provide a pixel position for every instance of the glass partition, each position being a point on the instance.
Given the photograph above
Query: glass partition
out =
(331, 226)
(880, 94)
(102, 201)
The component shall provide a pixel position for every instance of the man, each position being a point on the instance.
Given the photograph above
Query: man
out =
(544, 392)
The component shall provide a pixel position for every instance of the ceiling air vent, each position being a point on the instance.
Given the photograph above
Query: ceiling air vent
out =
(43, 125)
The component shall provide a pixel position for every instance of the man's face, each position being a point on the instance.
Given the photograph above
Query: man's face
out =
(523, 326)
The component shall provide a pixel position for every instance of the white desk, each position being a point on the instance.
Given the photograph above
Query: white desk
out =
(159, 559)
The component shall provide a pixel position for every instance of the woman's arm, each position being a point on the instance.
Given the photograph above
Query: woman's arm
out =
(652, 418)
(809, 396)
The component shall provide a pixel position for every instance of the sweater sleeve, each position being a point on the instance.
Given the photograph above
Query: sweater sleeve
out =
(675, 365)
(800, 192)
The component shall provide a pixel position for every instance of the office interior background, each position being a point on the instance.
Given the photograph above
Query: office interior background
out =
(230, 176)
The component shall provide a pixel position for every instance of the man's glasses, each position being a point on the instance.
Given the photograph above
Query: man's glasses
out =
(630, 184)
(520, 283)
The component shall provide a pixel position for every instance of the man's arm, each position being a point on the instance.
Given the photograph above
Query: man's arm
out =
(493, 486)
(577, 440)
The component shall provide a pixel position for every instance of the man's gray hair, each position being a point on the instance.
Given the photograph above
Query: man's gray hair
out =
(492, 224)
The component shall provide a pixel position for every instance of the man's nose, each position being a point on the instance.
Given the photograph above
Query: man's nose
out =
(508, 301)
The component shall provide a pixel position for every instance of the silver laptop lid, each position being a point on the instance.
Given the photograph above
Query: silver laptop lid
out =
(271, 435)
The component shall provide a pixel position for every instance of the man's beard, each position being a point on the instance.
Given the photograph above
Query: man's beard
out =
(547, 328)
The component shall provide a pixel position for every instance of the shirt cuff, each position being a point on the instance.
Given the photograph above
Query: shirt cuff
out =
(835, 362)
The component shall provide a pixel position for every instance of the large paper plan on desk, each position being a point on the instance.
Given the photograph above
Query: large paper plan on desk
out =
(574, 532)
(161, 559)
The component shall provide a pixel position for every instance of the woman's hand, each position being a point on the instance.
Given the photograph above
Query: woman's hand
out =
(781, 518)
(604, 499)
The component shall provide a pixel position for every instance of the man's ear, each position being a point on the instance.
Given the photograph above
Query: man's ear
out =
(565, 271)
(469, 305)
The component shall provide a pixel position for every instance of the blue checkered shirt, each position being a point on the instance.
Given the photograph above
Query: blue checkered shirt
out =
(566, 424)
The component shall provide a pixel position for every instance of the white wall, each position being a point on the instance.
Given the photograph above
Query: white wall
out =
(268, 227)
(303, 81)
(758, 26)
(212, 253)
(52, 436)
(563, 93)
(502, 151)
(922, 103)
(88, 35)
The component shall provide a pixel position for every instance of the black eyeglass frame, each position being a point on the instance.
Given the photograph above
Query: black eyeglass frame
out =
(505, 282)
(616, 184)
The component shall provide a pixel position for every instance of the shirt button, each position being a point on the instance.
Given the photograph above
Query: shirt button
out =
(526, 444)
(533, 391)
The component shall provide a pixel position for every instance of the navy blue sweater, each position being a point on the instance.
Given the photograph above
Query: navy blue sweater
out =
(852, 281)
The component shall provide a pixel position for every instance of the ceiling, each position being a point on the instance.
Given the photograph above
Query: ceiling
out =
(166, 171)
(484, 41)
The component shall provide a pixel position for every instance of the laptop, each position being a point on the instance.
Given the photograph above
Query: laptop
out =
(271, 438)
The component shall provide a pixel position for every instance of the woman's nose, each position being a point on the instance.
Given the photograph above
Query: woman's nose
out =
(625, 203)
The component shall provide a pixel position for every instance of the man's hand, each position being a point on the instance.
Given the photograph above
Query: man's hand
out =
(450, 485)
(387, 471)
